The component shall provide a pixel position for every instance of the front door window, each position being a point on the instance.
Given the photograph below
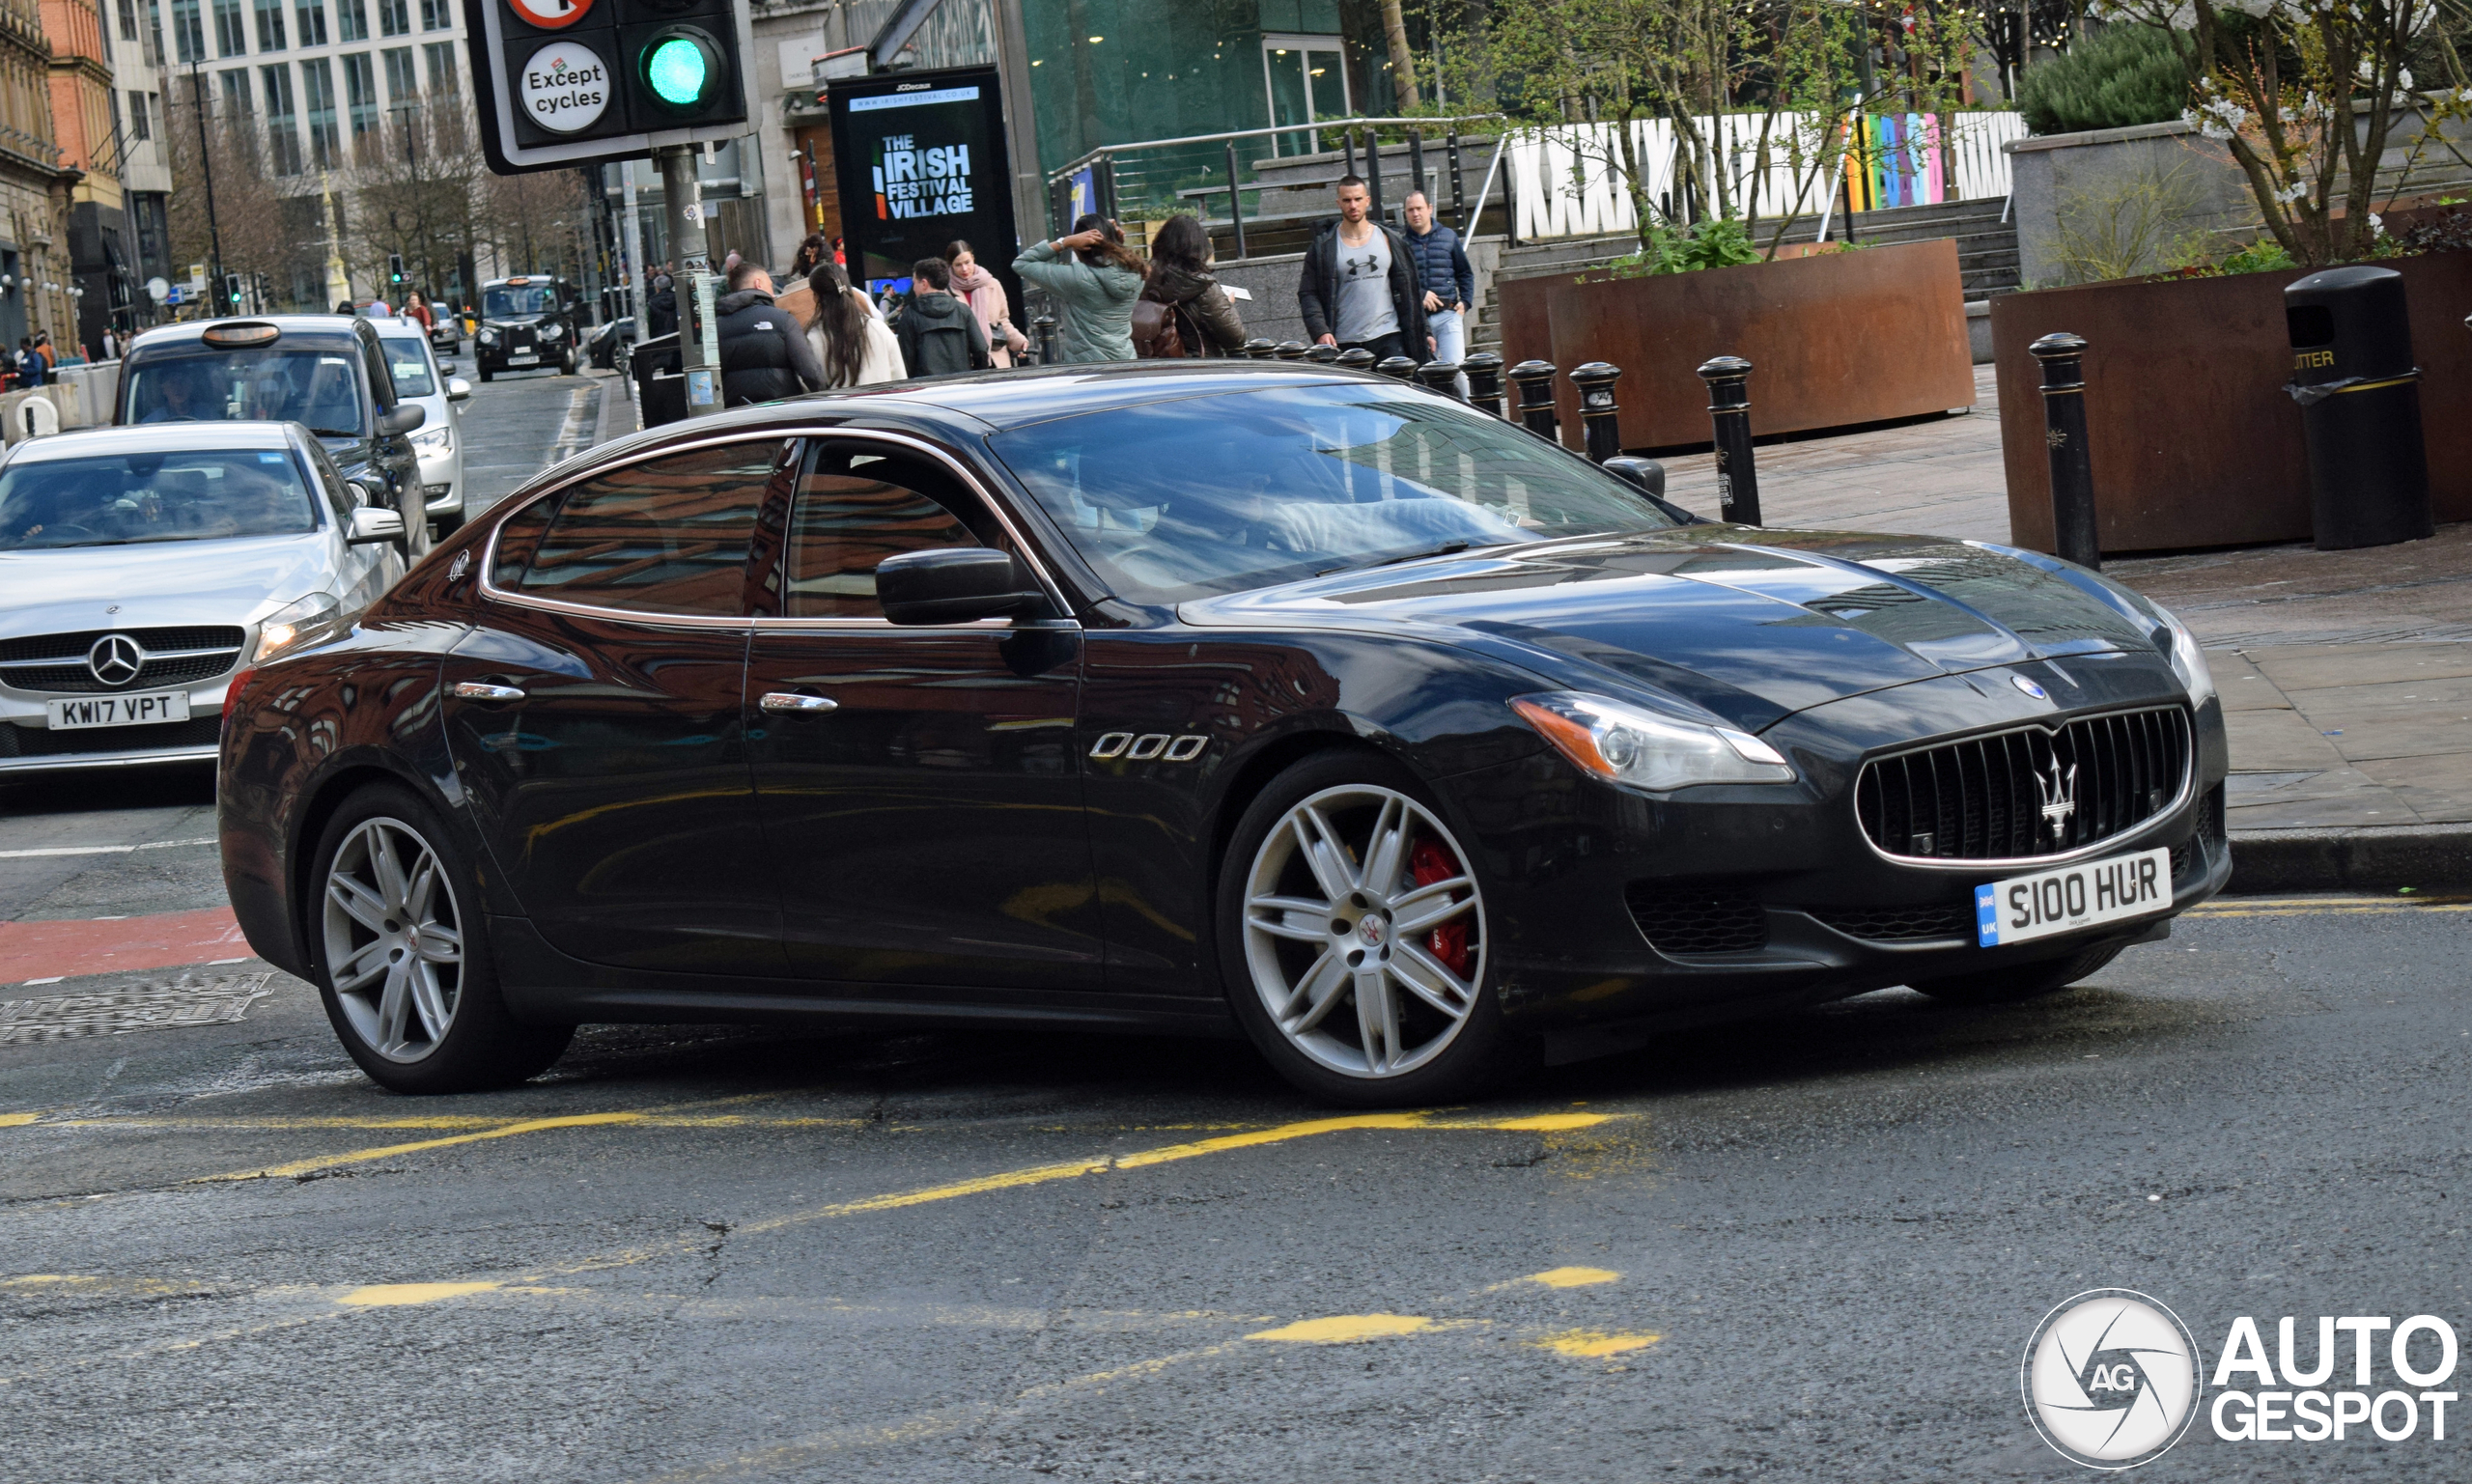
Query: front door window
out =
(1308, 78)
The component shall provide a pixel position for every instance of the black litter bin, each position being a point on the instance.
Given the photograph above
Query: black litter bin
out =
(2360, 408)
(660, 392)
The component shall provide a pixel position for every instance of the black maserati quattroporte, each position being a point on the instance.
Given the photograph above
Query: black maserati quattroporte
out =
(1195, 697)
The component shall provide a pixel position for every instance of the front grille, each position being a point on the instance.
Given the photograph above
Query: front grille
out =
(1681, 919)
(1998, 798)
(2188, 855)
(67, 672)
(25, 741)
(1901, 924)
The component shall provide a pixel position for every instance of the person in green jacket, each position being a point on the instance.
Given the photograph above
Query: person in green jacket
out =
(1094, 280)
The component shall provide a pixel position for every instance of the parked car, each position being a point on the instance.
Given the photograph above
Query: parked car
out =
(421, 380)
(526, 323)
(141, 569)
(1202, 697)
(321, 371)
(446, 336)
(606, 346)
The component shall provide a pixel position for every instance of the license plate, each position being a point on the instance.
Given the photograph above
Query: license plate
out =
(116, 711)
(521, 358)
(2025, 908)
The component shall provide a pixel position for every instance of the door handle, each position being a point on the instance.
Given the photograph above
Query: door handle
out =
(780, 701)
(482, 691)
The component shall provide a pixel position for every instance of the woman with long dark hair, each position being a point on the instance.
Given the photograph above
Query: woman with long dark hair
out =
(1093, 279)
(1206, 321)
(854, 346)
(985, 295)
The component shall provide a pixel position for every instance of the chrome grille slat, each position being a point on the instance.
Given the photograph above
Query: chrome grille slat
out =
(1985, 795)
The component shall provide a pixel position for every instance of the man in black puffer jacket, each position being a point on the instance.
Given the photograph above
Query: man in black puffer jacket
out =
(765, 356)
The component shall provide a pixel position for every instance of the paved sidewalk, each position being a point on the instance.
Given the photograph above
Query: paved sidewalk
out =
(2346, 676)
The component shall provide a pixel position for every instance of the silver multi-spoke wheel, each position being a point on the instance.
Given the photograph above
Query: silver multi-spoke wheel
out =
(394, 939)
(1364, 932)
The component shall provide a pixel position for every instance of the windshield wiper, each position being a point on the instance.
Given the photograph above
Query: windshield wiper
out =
(1447, 549)
(335, 433)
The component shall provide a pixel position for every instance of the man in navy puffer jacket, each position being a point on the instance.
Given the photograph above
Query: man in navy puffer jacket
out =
(1443, 268)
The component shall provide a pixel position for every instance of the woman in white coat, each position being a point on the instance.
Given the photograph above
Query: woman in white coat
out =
(851, 339)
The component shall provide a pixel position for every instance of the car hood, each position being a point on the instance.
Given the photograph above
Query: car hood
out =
(1752, 624)
(172, 583)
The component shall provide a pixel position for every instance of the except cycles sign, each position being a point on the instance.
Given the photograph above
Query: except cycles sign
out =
(565, 86)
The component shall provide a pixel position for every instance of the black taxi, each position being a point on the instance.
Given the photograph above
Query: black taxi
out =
(527, 324)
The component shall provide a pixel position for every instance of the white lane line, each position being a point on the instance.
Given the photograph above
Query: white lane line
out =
(101, 850)
(571, 436)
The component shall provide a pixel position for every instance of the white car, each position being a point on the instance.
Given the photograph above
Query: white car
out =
(419, 379)
(141, 569)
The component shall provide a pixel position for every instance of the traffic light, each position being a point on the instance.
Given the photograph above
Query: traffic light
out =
(395, 269)
(575, 82)
(232, 290)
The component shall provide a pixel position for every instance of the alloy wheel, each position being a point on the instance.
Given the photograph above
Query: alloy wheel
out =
(1364, 931)
(394, 939)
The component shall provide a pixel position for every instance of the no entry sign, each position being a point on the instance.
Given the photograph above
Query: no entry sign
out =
(552, 15)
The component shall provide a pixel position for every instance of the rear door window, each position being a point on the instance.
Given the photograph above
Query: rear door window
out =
(668, 534)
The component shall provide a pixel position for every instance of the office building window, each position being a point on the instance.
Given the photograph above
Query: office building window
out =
(231, 29)
(141, 125)
(312, 17)
(270, 25)
(436, 14)
(188, 30)
(360, 92)
(394, 17)
(402, 87)
(440, 57)
(283, 127)
(325, 144)
(237, 106)
(152, 51)
(351, 19)
(128, 20)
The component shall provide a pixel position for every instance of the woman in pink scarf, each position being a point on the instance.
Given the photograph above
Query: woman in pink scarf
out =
(986, 301)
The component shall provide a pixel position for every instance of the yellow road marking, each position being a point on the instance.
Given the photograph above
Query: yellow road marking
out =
(380, 1296)
(1345, 1329)
(356, 1156)
(2380, 909)
(1572, 1278)
(17, 1120)
(1592, 1344)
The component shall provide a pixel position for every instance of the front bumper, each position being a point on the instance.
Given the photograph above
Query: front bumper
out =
(28, 745)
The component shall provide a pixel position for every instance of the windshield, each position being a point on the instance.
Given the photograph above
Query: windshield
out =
(1242, 489)
(501, 302)
(320, 389)
(410, 365)
(146, 498)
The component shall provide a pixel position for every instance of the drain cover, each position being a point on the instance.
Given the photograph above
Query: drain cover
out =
(191, 999)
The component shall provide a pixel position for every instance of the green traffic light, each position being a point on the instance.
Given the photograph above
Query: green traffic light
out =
(677, 71)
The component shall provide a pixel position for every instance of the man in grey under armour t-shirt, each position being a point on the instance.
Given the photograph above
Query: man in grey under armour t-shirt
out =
(1366, 310)
(1358, 287)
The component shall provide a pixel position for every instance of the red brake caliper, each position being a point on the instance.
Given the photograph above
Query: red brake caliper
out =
(1448, 942)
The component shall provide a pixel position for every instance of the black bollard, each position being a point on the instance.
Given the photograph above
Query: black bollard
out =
(1357, 358)
(1325, 354)
(1730, 414)
(1536, 383)
(1260, 348)
(1485, 371)
(1291, 351)
(1043, 332)
(2072, 470)
(1398, 366)
(1599, 417)
(1440, 376)
(1235, 200)
(1416, 166)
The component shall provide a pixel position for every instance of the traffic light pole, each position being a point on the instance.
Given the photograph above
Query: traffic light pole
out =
(698, 339)
(205, 161)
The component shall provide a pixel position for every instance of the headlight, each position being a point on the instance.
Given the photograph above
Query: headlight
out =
(298, 624)
(2188, 661)
(435, 440)
(552, 331)
(489, 337)
(1629, 746)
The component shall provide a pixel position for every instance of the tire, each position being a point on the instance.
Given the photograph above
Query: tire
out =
(1435, 1032)
(2022, 981)
(444, 526)
(567, 364)
(485, 373)
(418, 1008)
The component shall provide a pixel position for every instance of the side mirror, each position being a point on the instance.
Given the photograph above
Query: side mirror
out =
(950, 585)
(1646, 473)
(372, 524)
(446, 367)
(457, 390)
(402, 418)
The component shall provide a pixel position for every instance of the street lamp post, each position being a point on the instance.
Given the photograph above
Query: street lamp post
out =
(205, 161)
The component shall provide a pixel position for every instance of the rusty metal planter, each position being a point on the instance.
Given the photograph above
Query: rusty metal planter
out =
(1836, 338)
(2194, 442)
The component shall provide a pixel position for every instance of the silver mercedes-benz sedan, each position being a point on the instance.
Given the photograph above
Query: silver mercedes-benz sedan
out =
(141, 569)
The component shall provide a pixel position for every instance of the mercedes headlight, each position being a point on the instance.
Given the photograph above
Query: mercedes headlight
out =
(552, 330)
(1627, 745)
(435, 440)
(489, 337)
(2188, 661)
(296, 625)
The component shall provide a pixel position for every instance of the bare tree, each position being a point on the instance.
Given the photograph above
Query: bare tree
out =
(261, 234)
(418, 190)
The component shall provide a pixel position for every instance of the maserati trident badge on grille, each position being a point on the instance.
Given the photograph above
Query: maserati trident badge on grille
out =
(2060, 798)
(115, 659)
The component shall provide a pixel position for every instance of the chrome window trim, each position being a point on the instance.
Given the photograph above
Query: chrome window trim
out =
(959, 470)
(2117, 843)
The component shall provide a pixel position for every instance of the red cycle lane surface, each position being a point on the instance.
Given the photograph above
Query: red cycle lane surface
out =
(111, 946)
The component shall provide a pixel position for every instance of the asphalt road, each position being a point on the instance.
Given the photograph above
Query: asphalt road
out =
(519, 422)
